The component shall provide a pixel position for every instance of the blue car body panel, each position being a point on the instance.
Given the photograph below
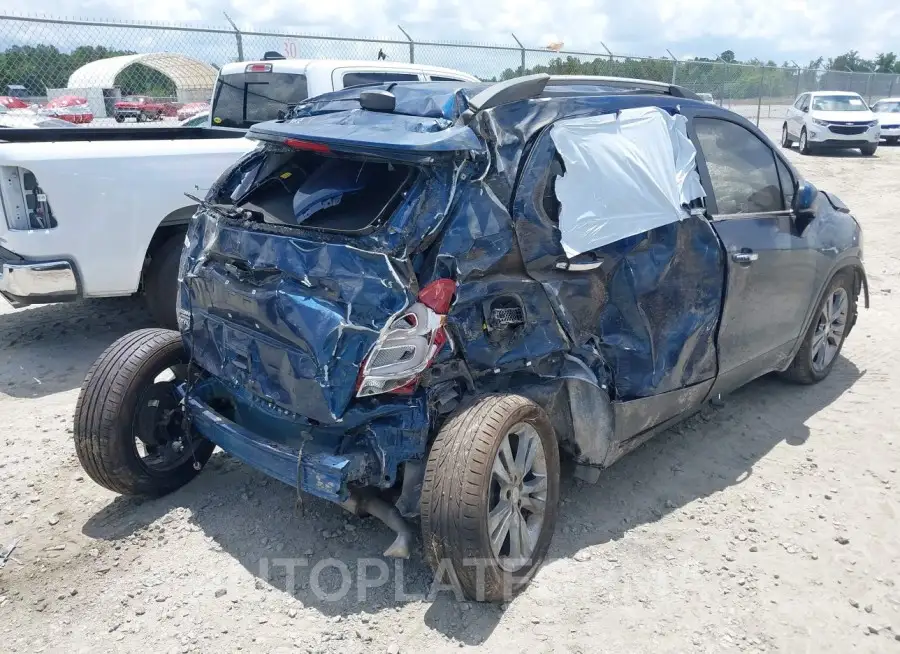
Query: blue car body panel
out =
(281, 318)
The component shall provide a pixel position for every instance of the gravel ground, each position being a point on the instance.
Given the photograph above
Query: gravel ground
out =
(767, 524)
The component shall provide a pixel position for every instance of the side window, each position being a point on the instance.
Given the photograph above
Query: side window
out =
(799, 102)
(438, 78)
(787, 183)
(741, 168)
(805, 105)
(377, 77)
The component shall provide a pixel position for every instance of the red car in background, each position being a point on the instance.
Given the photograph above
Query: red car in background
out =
(191, 109)
(142, 109)
(12, 103)
(71, 108)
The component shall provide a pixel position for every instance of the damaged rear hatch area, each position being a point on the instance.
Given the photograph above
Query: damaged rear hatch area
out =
(303, 251)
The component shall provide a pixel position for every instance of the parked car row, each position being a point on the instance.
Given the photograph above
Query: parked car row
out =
(833, 120)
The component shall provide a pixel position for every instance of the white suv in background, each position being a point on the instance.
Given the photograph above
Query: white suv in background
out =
(831, 120)
(888, 113)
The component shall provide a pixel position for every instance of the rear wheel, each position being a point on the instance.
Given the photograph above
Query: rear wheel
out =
(804, 143)
(869, 150)
(891, 140)
(161, 281)
(129, 435)
(825, 336)
(786, 141)
(120, 118)
(489, 496)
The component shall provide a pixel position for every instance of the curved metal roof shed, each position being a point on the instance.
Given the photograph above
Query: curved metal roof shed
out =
(194, 80)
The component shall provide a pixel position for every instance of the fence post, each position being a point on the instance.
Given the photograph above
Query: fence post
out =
(762, 74)
(891, 91)
(799, 74)
(869, 87)
(237, 38)
(412, 45)
(674, 66)
(522, 50)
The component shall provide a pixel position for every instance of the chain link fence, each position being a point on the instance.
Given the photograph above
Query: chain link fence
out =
(62, 67)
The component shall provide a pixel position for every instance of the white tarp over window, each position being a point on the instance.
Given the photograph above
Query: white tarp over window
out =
(625, 174)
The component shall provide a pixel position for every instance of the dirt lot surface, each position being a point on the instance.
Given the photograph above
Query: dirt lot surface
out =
(767, 524)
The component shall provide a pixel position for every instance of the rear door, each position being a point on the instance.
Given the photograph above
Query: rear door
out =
(794, 116)
(650, 303)
(770, 265)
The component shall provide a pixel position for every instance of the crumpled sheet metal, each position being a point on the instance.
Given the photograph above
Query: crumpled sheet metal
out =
(435, 100)
(626, 173)
(358, 130)
(642, 324)
(262, 327)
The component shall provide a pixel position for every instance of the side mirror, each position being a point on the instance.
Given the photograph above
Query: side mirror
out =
(804, 197)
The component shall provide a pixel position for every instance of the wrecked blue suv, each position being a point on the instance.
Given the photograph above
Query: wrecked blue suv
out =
(409, 298)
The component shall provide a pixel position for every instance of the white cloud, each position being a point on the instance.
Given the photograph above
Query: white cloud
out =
(768, 29)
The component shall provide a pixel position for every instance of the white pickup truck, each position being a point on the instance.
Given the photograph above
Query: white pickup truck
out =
(101, 212)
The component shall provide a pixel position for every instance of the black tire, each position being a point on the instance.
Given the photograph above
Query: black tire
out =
(802, 370)
(786, 141)
(161, 281)
(804, 143)
(108, 405)
(869, 150)
(455, 494)
(120, 119)
(140, 117)
(891, 140)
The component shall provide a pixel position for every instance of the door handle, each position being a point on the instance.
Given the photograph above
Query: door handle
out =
(579, 267)
(744, 257)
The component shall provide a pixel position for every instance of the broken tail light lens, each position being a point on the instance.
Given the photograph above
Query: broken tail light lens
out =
(309, 146)
(409, 344)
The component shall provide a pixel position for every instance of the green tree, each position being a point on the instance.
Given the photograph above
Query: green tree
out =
(886, 62)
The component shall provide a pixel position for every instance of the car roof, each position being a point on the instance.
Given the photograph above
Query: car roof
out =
(305, 66)
(887, 100)
(850, 94)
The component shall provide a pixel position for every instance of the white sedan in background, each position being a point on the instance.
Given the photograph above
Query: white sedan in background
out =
(888, 113)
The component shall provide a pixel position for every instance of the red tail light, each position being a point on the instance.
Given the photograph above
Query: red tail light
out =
(409, 345)
(438, 294)
(309, 146)
(258, 68)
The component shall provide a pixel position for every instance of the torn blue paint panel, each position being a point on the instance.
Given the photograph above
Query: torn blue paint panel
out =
(291, 320)
(435, 100)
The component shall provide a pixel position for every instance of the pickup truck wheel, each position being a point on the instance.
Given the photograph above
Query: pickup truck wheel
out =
(489, 495)
(161, 281)
(129, 435)
(140, 117)
(120, 119)
(825, 336)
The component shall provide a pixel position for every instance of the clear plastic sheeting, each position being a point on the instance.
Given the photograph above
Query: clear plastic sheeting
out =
(626, 173)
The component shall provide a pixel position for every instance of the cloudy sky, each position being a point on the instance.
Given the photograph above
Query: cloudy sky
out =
(782, 30)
